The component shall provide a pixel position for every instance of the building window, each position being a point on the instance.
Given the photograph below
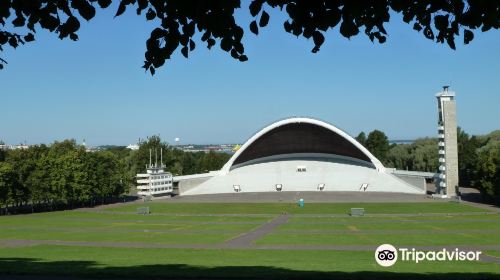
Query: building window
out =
(301, 168)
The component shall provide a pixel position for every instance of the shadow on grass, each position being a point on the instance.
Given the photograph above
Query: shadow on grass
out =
(29, 268)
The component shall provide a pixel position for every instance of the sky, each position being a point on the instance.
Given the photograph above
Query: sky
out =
(95, 89)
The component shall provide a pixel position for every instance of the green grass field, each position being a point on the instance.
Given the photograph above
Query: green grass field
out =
(116, 243)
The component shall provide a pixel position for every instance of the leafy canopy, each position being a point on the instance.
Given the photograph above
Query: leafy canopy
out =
(179, 21)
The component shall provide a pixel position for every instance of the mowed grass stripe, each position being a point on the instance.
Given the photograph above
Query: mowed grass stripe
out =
(483, 218)
(95, 262)
(405, 239)
(138, 227)
(141, 237)
(79, 226)
(490, 225)
(291, 208)
(85, 218)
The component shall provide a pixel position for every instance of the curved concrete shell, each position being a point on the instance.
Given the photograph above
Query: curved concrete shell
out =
(302, 154)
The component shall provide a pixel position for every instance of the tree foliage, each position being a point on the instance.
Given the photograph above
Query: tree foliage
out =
(467, 156)
(478, 160)
(378, 144)
(421, 155)
(175, 160)
(62, 175)
(486, 168)
(65, 175)
(488, 172)
(8, 183)
(361, 138)
(178, 21)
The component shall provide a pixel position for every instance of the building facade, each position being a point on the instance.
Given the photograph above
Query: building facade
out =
(301, 154)
(156, 181)
(448, 151)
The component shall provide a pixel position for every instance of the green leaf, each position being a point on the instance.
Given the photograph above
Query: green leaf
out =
(468, 36)
(19, 21)
(318, 38)
(225, 44)
(255, 7)
(243, 58)
(121, 9)
(192, 45)
(104, 3)
(210, 43)
(86, 10)
(254, 28)
(348, 28)
(150, 14)
(29, 38)
(185, 52)
(264, 19)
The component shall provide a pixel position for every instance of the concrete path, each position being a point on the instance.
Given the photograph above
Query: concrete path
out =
(291, 215)
(288, 196)
(247, 239)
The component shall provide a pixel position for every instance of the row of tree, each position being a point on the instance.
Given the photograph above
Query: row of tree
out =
(479, 163)
(478, 158)
(175, 160)
(63, 175)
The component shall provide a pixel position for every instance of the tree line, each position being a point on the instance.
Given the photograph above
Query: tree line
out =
(478, 158)
(64, 175)
(61, 176)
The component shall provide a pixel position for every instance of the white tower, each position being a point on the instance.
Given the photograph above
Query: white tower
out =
(448, 152)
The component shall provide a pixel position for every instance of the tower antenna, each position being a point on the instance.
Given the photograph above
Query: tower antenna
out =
(149, 157)
(161, 157)
(156, 158)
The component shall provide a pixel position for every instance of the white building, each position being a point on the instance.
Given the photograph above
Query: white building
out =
(155, 182)
(133, 147)
(448, 149)
(300, 154)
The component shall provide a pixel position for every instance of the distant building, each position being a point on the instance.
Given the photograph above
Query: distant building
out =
(19, 147)
(156, 181)
(448, 152)
(133, 147)
(6, 147)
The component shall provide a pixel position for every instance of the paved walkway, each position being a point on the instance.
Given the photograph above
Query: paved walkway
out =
(247, 239)
(292, 215)
(288, 196)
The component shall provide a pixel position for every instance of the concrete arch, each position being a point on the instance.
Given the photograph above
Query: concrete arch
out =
(357, 148)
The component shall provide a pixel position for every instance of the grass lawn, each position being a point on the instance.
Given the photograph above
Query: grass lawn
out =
(195, 225)
(377, 239)
(291, 208)
(354, 224)
(98, 227)
(218, 263)
(493, 253)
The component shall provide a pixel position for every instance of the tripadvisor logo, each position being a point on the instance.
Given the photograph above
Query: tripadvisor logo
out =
(386, 255)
